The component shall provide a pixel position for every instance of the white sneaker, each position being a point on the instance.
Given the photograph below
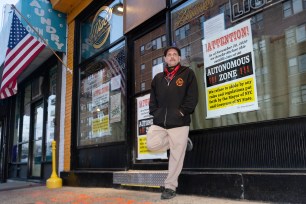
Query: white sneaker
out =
(189, 145)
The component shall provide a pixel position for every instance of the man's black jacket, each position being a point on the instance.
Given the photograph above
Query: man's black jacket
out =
(171, 103)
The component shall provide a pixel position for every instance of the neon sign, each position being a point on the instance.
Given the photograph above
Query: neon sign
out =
(244, 8)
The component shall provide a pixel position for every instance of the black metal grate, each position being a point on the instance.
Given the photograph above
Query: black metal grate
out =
(270, 145)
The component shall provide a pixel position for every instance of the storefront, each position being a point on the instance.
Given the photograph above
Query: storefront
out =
(248, 127)
(30, 118)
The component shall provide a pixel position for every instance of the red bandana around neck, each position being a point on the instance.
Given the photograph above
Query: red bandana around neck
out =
(170, 75)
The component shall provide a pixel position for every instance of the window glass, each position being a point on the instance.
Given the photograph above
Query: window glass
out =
(26, 97)
(279, 47)
(287, 9)
(103, 98)
(50, 124)
(297, 6)
(187, 32)
(102, 28)
(24, 152)
(26, 114)
(148, 53)
(301, 33)
(292, 7)
(36, 87)
(16, 129)
(24, 142)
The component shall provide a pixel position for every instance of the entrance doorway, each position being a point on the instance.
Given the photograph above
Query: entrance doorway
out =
(37, 141)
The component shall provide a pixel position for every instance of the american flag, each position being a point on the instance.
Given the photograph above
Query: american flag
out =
(22, 50)
(116, 64)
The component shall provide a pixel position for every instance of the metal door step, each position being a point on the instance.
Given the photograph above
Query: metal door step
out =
(145, 178)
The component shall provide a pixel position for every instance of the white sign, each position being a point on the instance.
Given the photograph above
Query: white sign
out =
(100, 104)
(214, 25)
(116, 82)
(230, 71)
(144, 121)
(115, 108)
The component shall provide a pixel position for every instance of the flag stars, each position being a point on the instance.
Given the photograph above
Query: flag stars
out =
(18, 56)
(17, 32)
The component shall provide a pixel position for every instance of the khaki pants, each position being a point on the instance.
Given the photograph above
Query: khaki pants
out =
(175, 139)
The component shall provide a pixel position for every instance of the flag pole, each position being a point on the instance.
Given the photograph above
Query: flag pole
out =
(67, 68)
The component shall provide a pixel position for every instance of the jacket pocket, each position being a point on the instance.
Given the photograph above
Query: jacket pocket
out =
(159, 116)
(174, 118)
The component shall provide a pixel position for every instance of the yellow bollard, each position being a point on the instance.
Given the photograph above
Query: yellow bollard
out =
(54, 181)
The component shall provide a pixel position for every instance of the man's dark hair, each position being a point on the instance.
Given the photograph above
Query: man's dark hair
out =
(172, 47)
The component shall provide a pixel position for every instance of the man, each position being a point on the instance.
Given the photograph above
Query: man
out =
(174, 96)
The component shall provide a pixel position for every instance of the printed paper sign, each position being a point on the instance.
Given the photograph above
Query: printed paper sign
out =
(100, 105)
(230, 71)
(144, 121)
(115, 112)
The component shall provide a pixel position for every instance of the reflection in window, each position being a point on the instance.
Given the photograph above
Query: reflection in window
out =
(159, 43)
(103, 92)
(156, 44)
(157, 61)
(50, 127)
(143, 86)
(262, 74)
(264, 98)
(260, 47)
(24, 152)
(112, 27)
(26, 124)
(301, 33)
(225, 8)
(143, 68)
(292, 7)
(298, 94)
(191, 49)
(297, 64)
(280, 51)
(296, 35)
(302, 62)
(202, 19)
(148, 52)
(182, 32)
(290, 37)
(16, 128)
(257, 21)
(185, 52)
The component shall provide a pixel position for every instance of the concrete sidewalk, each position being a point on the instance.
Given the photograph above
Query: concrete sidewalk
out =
(34, 193)
(15, 184)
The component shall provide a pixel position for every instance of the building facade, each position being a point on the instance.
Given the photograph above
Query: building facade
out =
(30, 120)
(249, 142)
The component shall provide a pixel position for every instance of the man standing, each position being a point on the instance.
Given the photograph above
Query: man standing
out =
(174, 96)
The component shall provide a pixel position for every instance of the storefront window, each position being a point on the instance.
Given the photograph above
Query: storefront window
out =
(29, 96)
(24, 144)
(16, 129)
(148, 55)
(50, 124)
(103, 98)
(278, 47)
(101, 29)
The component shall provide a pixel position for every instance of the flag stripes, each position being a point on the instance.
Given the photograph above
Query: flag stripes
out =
(22, 50)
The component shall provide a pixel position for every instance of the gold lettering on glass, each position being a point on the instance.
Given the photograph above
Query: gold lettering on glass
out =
(101, 26)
